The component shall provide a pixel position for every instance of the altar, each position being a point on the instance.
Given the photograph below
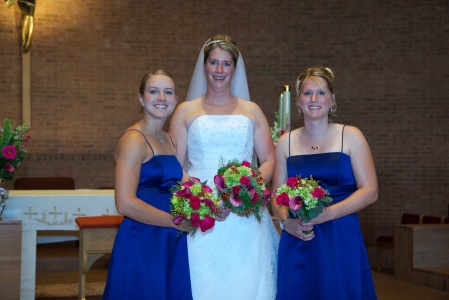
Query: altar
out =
(50, 210)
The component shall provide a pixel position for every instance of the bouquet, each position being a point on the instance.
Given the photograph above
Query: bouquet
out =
(193, 201)
(12, 150)
(305, 198)
(241, 188)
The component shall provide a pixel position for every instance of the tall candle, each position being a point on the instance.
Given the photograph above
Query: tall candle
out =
(281, 111)
(286, 126)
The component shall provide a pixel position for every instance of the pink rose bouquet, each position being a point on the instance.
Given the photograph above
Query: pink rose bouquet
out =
(12, 150)
(304, 197)
(194, 201)
(241, 188)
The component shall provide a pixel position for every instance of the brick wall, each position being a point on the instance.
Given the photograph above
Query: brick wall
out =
(390, 59)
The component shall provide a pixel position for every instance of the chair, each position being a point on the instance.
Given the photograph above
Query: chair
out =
(387, 242)
(96, 237)
(431, 220)
(44, 183)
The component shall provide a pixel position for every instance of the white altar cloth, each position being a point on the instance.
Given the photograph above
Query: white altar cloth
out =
(50, 210)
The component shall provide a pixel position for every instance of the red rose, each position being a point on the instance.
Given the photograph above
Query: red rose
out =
(195, 202)
(292, 182)
(195, 219)
(236, 189)
(318, 192)
(245, 180)
(283, 199)
(207, 223)
(246, 164)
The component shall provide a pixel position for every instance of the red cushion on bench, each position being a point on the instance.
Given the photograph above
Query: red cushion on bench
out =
(99, 222)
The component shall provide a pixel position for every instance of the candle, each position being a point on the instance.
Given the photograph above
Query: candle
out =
(281, 111)
(286, 126)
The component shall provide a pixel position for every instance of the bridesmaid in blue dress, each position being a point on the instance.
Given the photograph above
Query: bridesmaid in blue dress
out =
(149, 258)
(329, 262)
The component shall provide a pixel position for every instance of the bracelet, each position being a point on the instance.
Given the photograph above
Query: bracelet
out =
(281, 223)
(283, 220)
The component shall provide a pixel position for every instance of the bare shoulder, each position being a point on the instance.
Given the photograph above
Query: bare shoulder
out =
(351, 131)
(190, 105)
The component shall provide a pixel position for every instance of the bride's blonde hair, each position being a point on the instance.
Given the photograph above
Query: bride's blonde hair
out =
(224, 42)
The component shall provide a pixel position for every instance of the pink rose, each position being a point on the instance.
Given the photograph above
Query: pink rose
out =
(245, 180)
(195, 180)
(255, 198)
(283, 199)
(318, 192)
(195, 202)
(207, 189)
(9, 152)
(246, 164)
(195, 219)
(219, 182)
(187, 184)
(296, 203)
(8, 167)
(207, 223)
(184, 193)
(251, 190)
(292, 182)
(27, 138)
(235, 201)
(178, 220)
(236, 189)
(208, 202)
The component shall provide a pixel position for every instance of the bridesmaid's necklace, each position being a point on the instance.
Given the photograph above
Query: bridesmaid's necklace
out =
(160, 139)
(313, 147)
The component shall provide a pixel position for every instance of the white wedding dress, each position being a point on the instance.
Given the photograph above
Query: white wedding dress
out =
(237, 259)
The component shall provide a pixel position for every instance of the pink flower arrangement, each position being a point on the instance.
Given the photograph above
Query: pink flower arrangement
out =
(303, 196)
(12, 150)
(194, 201)
(241, 188)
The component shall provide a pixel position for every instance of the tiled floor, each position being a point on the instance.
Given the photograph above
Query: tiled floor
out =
(387, 287)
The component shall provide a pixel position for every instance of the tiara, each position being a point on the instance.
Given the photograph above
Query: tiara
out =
(220, 41)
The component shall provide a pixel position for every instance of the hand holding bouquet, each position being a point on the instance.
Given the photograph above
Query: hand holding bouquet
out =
(241, 188)
(194, 202)
(304, 197)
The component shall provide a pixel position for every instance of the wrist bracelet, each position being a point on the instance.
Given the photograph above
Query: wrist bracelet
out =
(281, 223)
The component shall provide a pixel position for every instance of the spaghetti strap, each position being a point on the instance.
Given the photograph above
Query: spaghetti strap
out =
(171, 139)
(342, 131)
(141, 134)
(289, 135)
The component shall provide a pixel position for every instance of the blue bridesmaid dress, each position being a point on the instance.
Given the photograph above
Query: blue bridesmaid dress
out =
(334, 264)
(151, 262)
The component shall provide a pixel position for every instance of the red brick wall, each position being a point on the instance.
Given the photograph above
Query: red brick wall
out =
(390, 59)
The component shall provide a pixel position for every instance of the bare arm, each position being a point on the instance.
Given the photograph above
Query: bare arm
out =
(365, 176)
(131, 152)
(178, 130)
(263, 144)
(292, 226)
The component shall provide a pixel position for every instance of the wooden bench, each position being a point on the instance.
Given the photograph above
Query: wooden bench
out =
(96, 236)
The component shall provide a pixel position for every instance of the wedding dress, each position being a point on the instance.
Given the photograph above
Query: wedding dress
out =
(237, 258)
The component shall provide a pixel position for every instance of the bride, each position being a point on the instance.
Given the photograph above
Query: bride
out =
(237, 259)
